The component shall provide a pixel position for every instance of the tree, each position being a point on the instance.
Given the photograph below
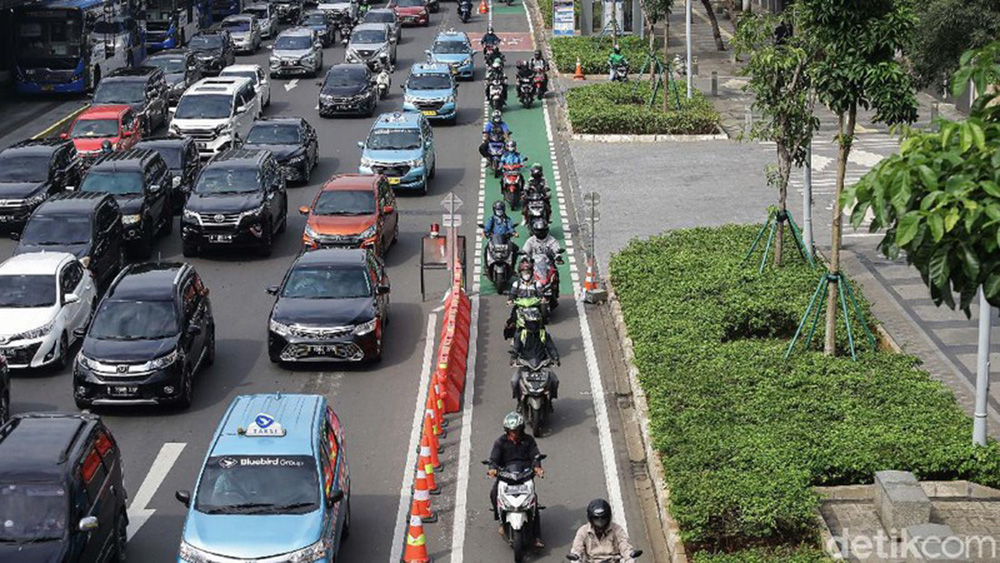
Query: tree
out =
(945, 30)
(783, 97)
(716, 33)
(857, 43)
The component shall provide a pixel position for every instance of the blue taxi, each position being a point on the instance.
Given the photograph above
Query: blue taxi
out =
(432, 91)
(454, 49)
(274, 486)
(400, 146)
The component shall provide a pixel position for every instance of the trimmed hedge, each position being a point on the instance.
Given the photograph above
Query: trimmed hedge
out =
(545, 7)
(743, 434)
(780, 555)
(593, 50)
(621, 108)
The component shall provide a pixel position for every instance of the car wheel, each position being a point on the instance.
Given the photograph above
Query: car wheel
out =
(121, 539)
(5, 407)
(63, 357)
(168, 222)
(346, 532)
(395, 233)
(189, 250)
(145, 247)
(433, 170)
(377, 358)
(210, 347)
(284, 221)
(307, 175)
(187, 389)
(267, 241)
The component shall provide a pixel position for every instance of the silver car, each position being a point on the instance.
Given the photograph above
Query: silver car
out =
(267, 18)
(245, 32)
(368, 42)
(386, 16)
(296, 51)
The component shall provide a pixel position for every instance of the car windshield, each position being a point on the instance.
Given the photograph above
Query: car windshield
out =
(273, 134)
(87, 128)
(337, 202)
(53, 230)
(27, 291)
(293, 43)
(394, 139)
(326, 282)
(410, 3)
(450, 47)
(228, 181)
(205, 42)
(254, 484)
(33, 512)
(429, 82)
(380, 17)
(169, 65)
(251, 74)
(204, 106)
(236, 25)
(134, 320)
(368, 36)
(24, 168)
(171, 154)
(342, 77)
(112, 182)
(314, 18)
(119, 92)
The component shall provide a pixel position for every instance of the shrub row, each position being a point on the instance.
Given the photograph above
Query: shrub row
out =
(621, 108)
(743, 434)
(593, 51)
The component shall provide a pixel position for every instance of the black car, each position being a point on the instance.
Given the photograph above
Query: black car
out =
(86, 225)
(214, 50)
(239, 200)
(183, 160)
(141, 184)
(348, 88)
(289, 11)
(322, 23)
(144, 88)
(332, 305)
(180, 69)
(4, 390)
(291, 140)
(63, 495)
(31, 171)
(386, 16)
(152, 332)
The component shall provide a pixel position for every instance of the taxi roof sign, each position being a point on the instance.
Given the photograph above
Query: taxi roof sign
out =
(264, 426)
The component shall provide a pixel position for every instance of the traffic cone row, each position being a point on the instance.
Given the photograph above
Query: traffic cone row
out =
(578, 74)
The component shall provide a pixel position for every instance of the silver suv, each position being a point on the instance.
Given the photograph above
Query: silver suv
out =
(296, 51)
(368, 42)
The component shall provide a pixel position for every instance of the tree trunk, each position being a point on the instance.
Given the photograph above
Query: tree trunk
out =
(733, 15)
(784, 171)
(715, 26)
(846, 137)
(667, 75)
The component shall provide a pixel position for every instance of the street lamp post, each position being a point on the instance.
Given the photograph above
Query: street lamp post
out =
(986, 312)
(687, 25)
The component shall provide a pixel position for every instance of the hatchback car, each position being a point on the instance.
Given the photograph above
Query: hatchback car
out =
(183, 161)
(388, 17)
(411, 12)
(274, 486)
(64, 496)
(142, 184)
(296, 51)
(292, 142)
(239, 200)
(369, 41)
(180, 69)
(400, 146)
(118, 125)
(431, 90)
(30, 172)
(322, 23)
(245, 31)
(332, 305)
(152, 332)
(352, 211)
(454, 49)
(44, 298)
(267, 18)
(86, 225)
(348, 89)
(214, 50)
(143, 88)
(261, 83)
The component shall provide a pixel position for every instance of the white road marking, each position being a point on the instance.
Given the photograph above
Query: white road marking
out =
(138, 514)
(291, 84)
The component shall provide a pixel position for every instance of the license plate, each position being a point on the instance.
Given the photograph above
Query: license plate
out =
(48, 88)
(324, 349)
(394, 180)
(123, 390)
(220, 238)
(287, 63)
(429, 112)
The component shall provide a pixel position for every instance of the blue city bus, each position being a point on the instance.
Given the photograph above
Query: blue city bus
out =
(66, 46)
(170, 23)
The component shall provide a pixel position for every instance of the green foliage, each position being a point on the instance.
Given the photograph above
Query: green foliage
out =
(744, 435)
(622, 108)
(656, 10)
(802, 554)
(545, 7)
(593, 52)
(945, 30)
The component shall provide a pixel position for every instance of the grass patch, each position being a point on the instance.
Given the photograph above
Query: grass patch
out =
(621, 108)
(593, 51)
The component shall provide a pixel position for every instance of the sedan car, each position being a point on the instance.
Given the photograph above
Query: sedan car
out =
(180, 69)
(386, 16)
(322, 23)
(296, 51)
(291, 140)
(352, 211)
(369, 41)
(411, 12)
(348, 88)
(332, 305)
(245, 31)
(44, 298)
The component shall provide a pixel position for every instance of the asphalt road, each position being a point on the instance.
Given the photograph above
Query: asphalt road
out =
(375, 403)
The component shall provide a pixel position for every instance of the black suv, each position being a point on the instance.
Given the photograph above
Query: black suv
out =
(291, 140)
(214, 49)
(141, 184)
(238, 200)
(183, 160)
(348, 88)
(63, 497)
(87, 225)
(144, 88)
(180, 69)
(30, 172)
(152, 332)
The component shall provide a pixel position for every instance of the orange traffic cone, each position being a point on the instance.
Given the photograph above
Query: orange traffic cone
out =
(578, 74)
(434, 403)
(590, 282)
(416, 543)
(436, 424)
(482, 7)
(433, 442)
(421, 505)
(425, 462)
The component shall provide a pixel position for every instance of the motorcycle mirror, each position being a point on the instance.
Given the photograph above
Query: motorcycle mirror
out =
(481, 226)
(562, 251)
(486, 462)
(572, 557)
(541, 457)
(635, 553)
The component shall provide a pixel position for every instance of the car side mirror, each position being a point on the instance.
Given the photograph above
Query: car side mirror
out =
(184, 497)
(272, 290)
(126, 133)
(176, 182)
(194, 330)
(80, 332)
(319, 83)
(241, 109)
(154, 188)
(388, 209)
(64, 135)
(70, 298)
(304, 210)
(87, 524)
(382, 290)
(334, 498)
(361, 144)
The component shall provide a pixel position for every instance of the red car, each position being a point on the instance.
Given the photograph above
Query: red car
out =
(117, 124)
(411, 12)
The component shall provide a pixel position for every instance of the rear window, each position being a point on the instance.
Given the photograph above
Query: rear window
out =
(32, 512)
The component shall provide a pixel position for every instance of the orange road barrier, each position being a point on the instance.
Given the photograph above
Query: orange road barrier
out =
(416, 542)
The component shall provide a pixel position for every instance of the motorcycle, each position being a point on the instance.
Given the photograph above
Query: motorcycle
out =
(345, 30)
(547, 277)
(465, 10)
(383, 80)
(512, 185)
(525, 91)
(535, 401)
(539, 81)
(492, 52)
(619, 72)
(535, 206)
(636, 553)
(495, 94)
(499, 260)
(517, 504)
(496, 150)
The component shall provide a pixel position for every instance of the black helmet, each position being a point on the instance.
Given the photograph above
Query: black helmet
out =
(536, 171)
(489, 29)
(540, 228)
(499, 209)
(497, 116)
(106, 146)
(618, 49)
(522, 64)
(538, 53)
(511, 146)
(599, 515)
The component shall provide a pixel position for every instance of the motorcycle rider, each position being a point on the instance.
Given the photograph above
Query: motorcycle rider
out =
(495, 73)
(532, 341)
(536, 188)
(512, 446)
(510, 155)
(541, 242)
(524, 292)
(538, 63)
(106, 147)
(616, 59)
(465, 5)
(490, 39)
(601, 538)
(499, 224)
(494, 130)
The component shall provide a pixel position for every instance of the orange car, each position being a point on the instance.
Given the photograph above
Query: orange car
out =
(351, 211)
(115, 123)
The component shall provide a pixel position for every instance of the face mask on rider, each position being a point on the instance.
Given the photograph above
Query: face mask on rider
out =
(525, 275)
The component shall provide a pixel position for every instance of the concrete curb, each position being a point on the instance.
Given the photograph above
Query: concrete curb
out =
(647, 138)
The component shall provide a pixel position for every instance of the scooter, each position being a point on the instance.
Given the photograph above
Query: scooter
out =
(517, 505)
(345, 30)
(383, 80)
(619, 72)
(465, 10)
(495, 94)
(535, 207)
(539, 81)
(535, 402)
(499, 260)
(513, 183)
(491, 52)
(496, 150)
(547, 277)
(525, 91)
(636, 553)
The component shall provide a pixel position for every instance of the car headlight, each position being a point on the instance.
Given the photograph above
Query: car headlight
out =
(279, 328)
(351, 56)
(179, 87)
(174, 129)
(254, 212)
(310, 58)
(407, 99)
(310, 232)
(131, 219)
(367, 162)
(450, 99)
(369, 232)
(86, 362)
(415, 163)
(364, 328)
(314, 552)
(299, 158)
(192, 216)
(325, 98)
(35, 332)
(161, 362)
(192, 554)
(224, 129)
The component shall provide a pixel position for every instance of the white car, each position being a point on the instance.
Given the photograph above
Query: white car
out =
(217, 113)
(267, 18)
(256, 74)
(45, 297)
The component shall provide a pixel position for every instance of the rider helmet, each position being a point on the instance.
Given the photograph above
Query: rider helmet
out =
(540, 228)
(525, 269)
(512, 146)
(106, 146)
(618, 49)
(599, 515)
(499, 209)
(538, 53)
(536, 171)
(497, 65)
(513, 422)
(497, 116)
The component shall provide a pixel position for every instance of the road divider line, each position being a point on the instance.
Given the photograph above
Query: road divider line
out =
(138, 513)
(51, 128)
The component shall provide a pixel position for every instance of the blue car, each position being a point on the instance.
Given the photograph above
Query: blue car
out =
(432, 91)
(400, 146)
(274, 486)
(454, 49)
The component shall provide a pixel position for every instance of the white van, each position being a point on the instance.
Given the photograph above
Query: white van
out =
(217, 113)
